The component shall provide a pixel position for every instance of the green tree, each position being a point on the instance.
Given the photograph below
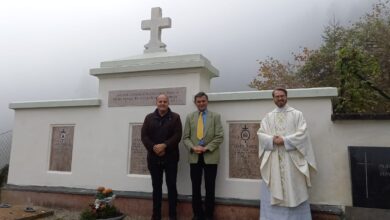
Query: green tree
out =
(273, 73)
(356, 93)
(356, 59)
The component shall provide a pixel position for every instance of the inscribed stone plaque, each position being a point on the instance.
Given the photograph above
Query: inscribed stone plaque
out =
(145, 97)
(244, 161)
(61, 148)
(138, 163)
(370, 176)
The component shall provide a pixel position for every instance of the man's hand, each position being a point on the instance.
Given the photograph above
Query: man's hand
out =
(278, 140)
(159, 149)
(162, 153)
(199, 149)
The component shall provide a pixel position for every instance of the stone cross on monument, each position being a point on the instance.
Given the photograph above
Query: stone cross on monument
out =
(155, 24)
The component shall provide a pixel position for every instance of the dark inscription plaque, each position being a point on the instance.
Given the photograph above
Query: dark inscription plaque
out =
(370, 173)
(138, 163)
(61, 148)
(145, 97)
(244, 161)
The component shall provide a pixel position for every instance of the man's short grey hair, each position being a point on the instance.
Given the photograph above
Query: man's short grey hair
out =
(163, 95)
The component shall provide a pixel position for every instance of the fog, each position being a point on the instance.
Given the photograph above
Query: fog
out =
(48, 47)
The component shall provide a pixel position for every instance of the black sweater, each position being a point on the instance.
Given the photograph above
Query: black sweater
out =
(157, 130)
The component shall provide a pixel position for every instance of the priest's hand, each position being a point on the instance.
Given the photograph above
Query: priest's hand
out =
(278, 140)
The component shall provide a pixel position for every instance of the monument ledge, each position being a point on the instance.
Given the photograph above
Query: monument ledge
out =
(267, 94)
(154, 62)
(56, 104)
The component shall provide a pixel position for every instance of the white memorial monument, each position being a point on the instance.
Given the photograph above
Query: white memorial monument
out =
(98, 146)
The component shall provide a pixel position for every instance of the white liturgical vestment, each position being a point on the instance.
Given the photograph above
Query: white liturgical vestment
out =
(285, 168)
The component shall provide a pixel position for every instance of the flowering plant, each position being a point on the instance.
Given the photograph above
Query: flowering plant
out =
(104, 197)
(103, 207)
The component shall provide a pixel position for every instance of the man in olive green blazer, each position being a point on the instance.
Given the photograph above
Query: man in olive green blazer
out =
(203, 154)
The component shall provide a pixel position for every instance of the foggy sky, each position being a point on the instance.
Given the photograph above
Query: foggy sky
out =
(47, 47)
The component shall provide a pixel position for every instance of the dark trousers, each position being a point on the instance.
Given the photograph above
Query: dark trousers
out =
(156, 170)
(210, 173)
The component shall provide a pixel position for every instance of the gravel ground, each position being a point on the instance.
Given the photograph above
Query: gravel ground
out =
(62, 214)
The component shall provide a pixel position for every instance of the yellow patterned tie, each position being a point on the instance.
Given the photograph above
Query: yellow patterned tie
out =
(199, 130)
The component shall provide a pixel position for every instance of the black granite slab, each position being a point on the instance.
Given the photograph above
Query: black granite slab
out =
(370, 176)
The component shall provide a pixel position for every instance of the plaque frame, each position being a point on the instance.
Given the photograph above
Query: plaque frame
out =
(50, 147)
(230, 175)
(146, 97)
(129, 150)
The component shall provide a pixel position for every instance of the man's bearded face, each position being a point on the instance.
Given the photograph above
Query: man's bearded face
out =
(280, 98)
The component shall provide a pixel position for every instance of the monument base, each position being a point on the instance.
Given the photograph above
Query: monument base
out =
(359, 213)
(137, 204)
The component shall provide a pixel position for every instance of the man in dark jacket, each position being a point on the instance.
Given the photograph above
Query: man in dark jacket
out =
(161, 134)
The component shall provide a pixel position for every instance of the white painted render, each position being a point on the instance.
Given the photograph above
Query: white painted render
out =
(101, 138)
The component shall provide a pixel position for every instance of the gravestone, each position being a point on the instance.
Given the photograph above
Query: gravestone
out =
(61, 148)
(138, 163)
(244, 160)
(370, 173)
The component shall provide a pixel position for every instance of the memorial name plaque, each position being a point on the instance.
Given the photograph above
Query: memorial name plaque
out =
(61, 148)
(145, 97)
(244, 161)
(138, 153)
(370, 176)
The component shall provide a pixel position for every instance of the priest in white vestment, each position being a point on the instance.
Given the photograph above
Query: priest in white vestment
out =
(286, 159)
